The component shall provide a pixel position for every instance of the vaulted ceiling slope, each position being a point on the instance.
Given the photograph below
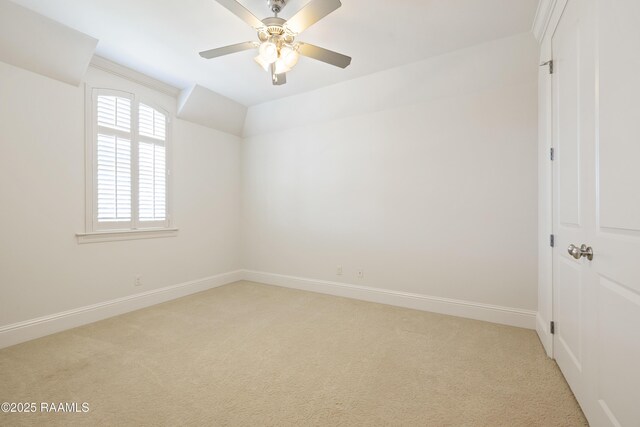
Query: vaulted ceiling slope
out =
(162, 38)
(42, 45)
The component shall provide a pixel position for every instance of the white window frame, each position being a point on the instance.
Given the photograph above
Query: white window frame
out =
(134, 229)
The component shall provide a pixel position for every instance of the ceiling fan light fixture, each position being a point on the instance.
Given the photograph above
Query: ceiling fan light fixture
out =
(289, 55)
(262, 63)
(268, 52)
(281, 67)
(278, 49)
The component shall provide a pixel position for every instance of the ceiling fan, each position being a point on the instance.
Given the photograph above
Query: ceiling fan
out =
(278, 48)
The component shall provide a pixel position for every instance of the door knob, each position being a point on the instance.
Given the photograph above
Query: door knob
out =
(582, 251)
(574, 251)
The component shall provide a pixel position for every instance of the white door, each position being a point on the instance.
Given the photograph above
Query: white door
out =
(571, 213)
(615, 270)
(596, 50)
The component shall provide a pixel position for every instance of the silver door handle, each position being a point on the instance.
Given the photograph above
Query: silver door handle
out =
(582, 251)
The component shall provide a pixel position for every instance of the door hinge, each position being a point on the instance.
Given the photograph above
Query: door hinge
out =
(552, 327)
(550, 64)
(552, 154)
(552, 240)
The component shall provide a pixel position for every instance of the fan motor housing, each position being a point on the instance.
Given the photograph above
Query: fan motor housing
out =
(275, 28)
(276, 5)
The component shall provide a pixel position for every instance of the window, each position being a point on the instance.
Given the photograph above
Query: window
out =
(127, 186)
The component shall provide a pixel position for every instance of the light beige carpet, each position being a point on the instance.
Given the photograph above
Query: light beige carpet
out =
(250, 354)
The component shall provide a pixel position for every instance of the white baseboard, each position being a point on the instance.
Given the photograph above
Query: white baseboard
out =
(46, 325)
(542, 328)
(468, 309)
(36, 328)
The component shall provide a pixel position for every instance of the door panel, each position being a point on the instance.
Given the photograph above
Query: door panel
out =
(596, 49)
(618, 353)
(566, 47)
(619, 114)
(569, 198)
(569, 297)
(616, 239)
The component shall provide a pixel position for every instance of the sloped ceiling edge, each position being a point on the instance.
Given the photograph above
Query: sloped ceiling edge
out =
(202, 106)
(41, 45)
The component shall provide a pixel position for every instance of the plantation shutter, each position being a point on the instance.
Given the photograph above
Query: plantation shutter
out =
(129, 163)
(113, 149)
(152, 170)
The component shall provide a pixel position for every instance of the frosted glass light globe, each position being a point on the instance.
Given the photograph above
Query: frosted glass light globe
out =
(281, 67)
(261, 63)
(269, 52)
(289, 55)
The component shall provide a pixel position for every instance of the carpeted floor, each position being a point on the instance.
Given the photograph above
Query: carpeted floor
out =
(250, 354)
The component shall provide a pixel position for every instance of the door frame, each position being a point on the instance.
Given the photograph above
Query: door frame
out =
(545, 25)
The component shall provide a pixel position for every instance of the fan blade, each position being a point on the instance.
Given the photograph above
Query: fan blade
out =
(310, 14)
(324, 55)
(241, 12)
(277, 79)
(214, 53)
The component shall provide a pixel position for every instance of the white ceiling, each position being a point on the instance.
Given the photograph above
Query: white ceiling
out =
(162, 38)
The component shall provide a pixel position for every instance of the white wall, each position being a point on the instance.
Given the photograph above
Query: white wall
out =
(43, 270)
(423, 176)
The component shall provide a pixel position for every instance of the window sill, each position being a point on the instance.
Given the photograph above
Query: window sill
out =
(114, 235)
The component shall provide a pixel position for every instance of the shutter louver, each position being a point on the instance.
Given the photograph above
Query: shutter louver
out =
(152, 165)
(114, 112)
(114, 178)
(113, 159)
(129, 163)
(152, 123)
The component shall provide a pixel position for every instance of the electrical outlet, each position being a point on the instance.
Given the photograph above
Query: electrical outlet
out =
(137, 281)
(339, 270)
(360, 274)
